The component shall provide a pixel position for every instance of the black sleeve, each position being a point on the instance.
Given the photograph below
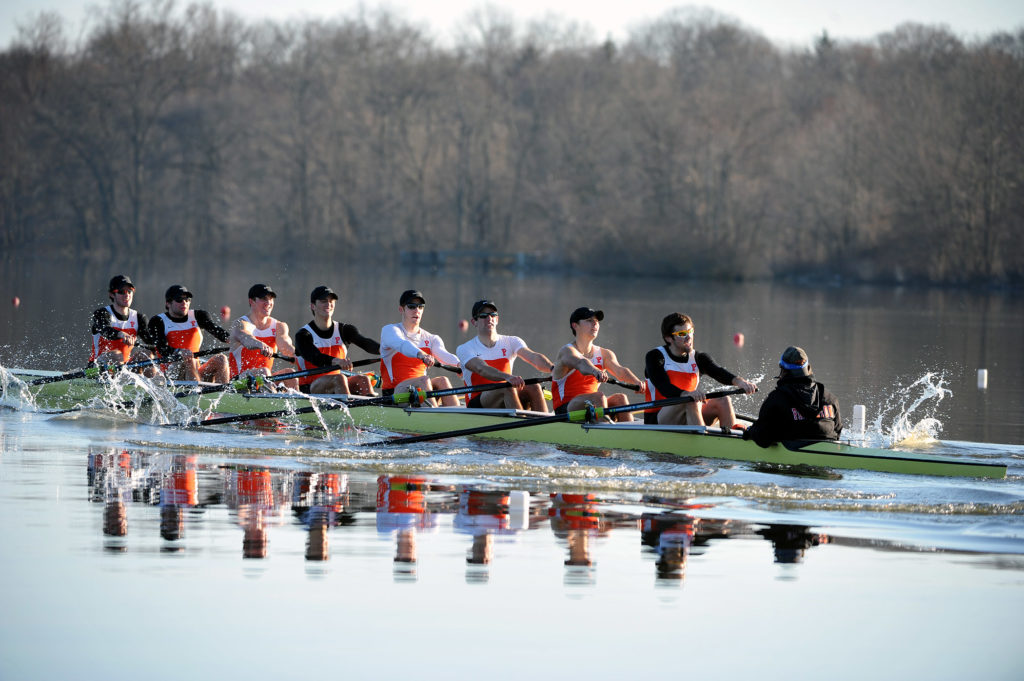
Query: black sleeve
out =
(143, 328)
(350, 335)
(708, 367)
(156, 336)
(101, 324)
(654, 369)
(205, 321)
(831, 399)
(305, 349)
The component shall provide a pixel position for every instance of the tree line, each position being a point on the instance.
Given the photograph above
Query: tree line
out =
(694, 148)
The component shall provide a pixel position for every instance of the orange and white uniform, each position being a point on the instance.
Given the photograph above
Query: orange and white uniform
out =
(574, 383)
(682, 374)
(399, 354)
(242, 358)
(129, 326)
(185, 335)
(502, 356)
(333, 346)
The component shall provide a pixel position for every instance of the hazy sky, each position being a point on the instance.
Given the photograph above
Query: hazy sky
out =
(794, 22)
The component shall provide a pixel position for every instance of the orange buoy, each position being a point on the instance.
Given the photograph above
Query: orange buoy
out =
(738, 340)
(225, 313)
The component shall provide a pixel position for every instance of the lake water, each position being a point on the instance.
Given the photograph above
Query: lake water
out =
(129, 548)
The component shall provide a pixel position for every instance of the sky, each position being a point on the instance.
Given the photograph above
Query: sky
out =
(785, 22)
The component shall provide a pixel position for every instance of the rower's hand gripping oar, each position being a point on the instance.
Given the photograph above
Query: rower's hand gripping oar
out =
(411, 398)
(588, 415)
(102, 369)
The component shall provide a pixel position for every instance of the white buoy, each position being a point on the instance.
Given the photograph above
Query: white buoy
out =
(982, 379)
(858, 418)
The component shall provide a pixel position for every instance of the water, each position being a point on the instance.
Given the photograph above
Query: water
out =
(257, 553)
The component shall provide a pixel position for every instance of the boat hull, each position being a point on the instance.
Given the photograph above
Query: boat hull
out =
(685, 441)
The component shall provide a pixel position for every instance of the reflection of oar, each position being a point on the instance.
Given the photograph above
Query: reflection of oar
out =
(577, 416)
(397, 398)
(100, 369)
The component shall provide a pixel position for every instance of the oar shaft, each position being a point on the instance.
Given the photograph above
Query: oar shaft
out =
(100, 369)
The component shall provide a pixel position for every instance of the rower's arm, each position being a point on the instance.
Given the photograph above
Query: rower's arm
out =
(284, 339)
(611, 363)
(537, 360)
(485, 370)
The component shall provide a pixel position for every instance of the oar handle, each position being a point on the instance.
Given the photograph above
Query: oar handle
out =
(635, 387)
(447, 367)
(668, 402)
(402, 398)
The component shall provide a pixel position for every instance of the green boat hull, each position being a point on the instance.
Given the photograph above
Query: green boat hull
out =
(685, 441)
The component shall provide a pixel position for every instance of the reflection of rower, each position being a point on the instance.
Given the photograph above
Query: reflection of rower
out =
(790, 542)
(576, 518)
(671, 535)
(178, 491)
(110, 476)
(251, 492)
(402, 508)
(319, 500)
(482, 513)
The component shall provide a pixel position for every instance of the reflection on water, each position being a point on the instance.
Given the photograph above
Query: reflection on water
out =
(408, 510)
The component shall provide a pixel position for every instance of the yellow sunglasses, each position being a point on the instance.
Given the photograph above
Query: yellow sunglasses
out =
(683, 332)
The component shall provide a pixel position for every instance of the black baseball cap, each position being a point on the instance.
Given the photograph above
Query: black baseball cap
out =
(481, 304)
(176, 291)
(411, 295)
(585, 313)
(321, 292)
(119, 282)
(261, 291)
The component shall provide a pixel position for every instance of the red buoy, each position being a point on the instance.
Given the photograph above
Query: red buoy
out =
(738, 340)
(225, 313)
(16, 301)
(463, 325)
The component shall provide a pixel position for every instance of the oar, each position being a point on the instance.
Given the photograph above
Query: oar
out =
(100, 369)
(577, 416)
(357, 363)
(397, 398)
(635, 387)
(250, 382)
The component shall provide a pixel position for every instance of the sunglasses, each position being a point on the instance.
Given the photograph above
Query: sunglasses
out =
(683, 333)
(181, 299)
(485, 315)
(415, 306)
(123, 291)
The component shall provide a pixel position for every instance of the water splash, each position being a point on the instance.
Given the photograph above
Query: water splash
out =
(910, 413)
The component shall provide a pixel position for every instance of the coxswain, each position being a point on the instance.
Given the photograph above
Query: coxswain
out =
(406, 351)
(488, 358)
(324, 342)
(256, 337)
(674, 369)
(177, 334)
(117, 328)
(581, 366)
(799, 408)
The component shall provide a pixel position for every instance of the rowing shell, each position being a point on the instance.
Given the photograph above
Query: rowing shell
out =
(687, 441)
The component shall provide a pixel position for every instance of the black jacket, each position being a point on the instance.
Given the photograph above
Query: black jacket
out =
(799, 408)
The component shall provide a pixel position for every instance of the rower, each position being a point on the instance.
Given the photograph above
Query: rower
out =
(675, 368)
(406, 351)
(324, 342)
(256, 336)
(799, 408)
(117, 329)
(580, 366)
(178, 334)
(488, 358)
